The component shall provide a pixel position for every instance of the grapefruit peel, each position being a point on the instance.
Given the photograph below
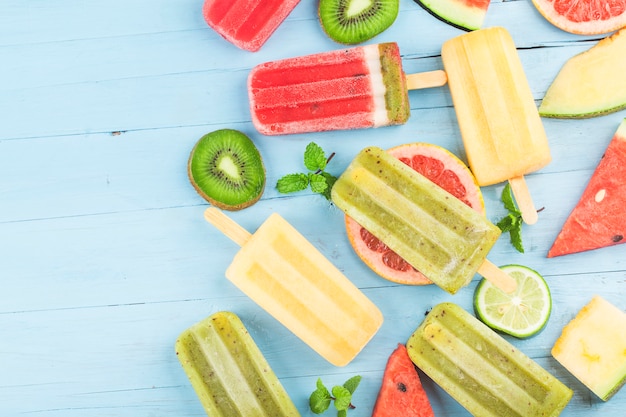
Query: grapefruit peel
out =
(581, 17)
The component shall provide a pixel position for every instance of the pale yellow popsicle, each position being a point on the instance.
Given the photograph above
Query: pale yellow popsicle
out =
(286, 275)
(502, 132)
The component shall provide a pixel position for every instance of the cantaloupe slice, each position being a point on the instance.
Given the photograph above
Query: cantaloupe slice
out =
(591, 83)
(593, 347)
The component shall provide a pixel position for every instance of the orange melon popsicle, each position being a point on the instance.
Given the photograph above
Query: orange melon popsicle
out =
(500, 125)
(286, 275)
(354, 88)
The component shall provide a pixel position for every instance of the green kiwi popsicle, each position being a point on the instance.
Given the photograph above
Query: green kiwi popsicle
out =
(482, 371)
(228, 371)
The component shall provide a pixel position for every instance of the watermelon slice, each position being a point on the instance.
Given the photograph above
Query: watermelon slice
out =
(401, 393)
(463, 14)
(599, 218)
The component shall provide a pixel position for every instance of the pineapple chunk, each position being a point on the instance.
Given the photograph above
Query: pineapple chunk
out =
(593, 347)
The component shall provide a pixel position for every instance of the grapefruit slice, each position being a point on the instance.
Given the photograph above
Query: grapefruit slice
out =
(401, 393)
(584, 17)
(598, 219)
(441, 167)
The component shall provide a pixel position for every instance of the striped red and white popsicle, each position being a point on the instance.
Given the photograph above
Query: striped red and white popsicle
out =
(359, 87)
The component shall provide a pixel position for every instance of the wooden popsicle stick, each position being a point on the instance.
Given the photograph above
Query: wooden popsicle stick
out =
(523, 199)
(497, 277)
(226, 225)
(427, 79)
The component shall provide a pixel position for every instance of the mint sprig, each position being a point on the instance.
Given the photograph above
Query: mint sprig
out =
(511, 223)
(317, 178)
(320, 399)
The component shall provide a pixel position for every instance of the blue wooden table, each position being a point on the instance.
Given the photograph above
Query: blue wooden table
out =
(104, 253)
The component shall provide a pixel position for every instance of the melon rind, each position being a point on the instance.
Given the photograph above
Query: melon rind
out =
(593, 347)
(459, 14)
(401, 392)
(590, 84)
(597, 219)
(590, 27)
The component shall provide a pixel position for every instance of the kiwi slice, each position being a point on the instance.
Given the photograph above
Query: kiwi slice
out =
(355, 21)
(226, 169)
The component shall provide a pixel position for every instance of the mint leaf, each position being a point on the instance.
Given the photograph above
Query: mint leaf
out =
(319, 401)
(292, 182)
(314, 157)
(352, 383)
(318, 183)
(516, 238)
(507, 223)
(507, 199)
(512, 222)
(317, 178)
(330, 181)
(343, 397)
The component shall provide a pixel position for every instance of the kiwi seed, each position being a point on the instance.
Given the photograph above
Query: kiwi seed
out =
(355, 21)
(226, 169)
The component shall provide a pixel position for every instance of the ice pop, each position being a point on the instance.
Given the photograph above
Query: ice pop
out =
(246, 23)
(286, 275)
(431, 229)
(500, 126)
(482, 371)
(228, 371)
(353, 88)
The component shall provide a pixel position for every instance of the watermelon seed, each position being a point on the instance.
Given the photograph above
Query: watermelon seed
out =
(600, 195)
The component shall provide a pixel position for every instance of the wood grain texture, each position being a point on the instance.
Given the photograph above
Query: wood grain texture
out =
(104, 253)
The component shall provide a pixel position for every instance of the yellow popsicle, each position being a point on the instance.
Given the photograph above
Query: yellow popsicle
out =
(287, 276)
(502, 132)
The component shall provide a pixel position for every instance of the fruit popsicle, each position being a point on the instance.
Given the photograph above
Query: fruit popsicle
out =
(359, 87)
(246, 23)
(286, 275)
(228, 371)
(431, 229)
(482, 371)
(500, 126)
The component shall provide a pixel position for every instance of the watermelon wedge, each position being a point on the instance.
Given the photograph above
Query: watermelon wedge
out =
(599, 218)
(401, 393)
(467, 15)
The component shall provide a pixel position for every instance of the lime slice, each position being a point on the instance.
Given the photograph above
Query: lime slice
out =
(522, 313)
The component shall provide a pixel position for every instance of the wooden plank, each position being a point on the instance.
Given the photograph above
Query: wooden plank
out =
(104, 254)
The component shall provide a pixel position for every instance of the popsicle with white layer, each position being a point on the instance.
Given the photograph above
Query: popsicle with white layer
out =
(359, 87)
(286, 275)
